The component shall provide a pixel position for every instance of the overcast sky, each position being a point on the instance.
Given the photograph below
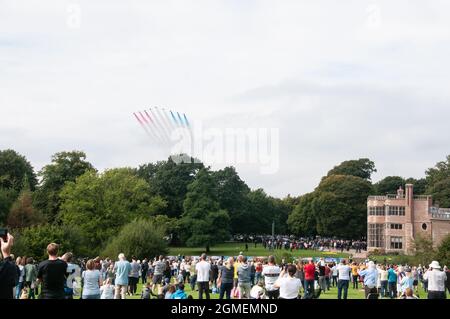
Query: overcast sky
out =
(339, 79)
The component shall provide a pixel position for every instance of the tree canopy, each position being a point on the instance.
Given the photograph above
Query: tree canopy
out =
(362, 168)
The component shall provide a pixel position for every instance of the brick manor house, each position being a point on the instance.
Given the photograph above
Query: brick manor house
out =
(393, 221)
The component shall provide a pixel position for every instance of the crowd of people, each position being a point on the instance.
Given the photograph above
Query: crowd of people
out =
(290, 242)
(230, 278)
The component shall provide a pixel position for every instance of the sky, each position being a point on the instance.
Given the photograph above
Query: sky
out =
(336, 80)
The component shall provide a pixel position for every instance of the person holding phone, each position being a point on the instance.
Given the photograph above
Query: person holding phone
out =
(8, 271)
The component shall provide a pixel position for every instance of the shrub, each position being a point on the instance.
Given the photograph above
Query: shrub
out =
(140, 238)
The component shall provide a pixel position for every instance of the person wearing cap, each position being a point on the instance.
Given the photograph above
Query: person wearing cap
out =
(407, 281)
(436, 281)
(370, 276)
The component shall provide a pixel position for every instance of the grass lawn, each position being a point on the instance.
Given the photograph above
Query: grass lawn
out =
(233, 249)
(332, 294)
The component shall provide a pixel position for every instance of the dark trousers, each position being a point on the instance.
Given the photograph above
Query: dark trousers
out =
(273, 294)
(355, 282)
(342, 285)
(203, 287)
(368, 291)
(133, 284)
(193, 280)
(384, 288)
(334, 282)
(309, 288)
(225, 289)
(144, 277)
(392, 289)
(436, 294)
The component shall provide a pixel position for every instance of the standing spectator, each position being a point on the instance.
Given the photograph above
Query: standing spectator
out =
(436, 281)
(52, 274)
(134, 276)
(392, 282)
(334, 274)
(92, 279)
(20, 263)
(214, 274)
(158, 272)
(271, 272)
(30, 277)
(310, 270)
(343, 278)
(258, 270)
(407, 282)
(383, 281)
(225, 280)
(355, 275)
(73, 271)
(370, 279)
(447, 273)
(244, 279)
(203, 268)
(144, 271)
(8, 272)
(122, 269)
(322, 275)
(287, 283)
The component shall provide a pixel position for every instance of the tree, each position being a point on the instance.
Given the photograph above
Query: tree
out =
(389, 185)
(232, 192)
(33, 241)
(141, 238)
(343, 210)
(7, 197)
(14, 169)
(302, 220)
(438, 182)
(170, 179)
(22, 213)
(100, 204)
(420, 185)
(203, 223)
(333, 216)
(362, 168)
(65, 167)
(443, 251)
(423, 250)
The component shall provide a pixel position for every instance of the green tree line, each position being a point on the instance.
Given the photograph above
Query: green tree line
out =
(181, 201)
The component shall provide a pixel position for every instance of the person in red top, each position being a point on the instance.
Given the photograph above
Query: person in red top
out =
(328, 276)
(258, 271)
(309, 270)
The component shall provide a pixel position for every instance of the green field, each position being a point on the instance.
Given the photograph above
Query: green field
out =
(233, 249)
(332, 294)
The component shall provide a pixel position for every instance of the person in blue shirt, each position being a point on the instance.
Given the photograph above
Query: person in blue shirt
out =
(392, 282)
(407, 281)
(122, 269)
(370, 279)
(179, 294)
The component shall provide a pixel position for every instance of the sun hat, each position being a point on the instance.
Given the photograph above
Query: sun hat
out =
(434, 264)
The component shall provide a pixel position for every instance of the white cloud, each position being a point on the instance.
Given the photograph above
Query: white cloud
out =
(337, 85)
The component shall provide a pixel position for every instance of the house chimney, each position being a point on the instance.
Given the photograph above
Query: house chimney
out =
(409, 195)
(400, 193)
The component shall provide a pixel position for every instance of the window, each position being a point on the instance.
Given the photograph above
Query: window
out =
(376, 235)
(376, 211)
(396, 226)
(424, 226)
(396, 242)
(396, 211)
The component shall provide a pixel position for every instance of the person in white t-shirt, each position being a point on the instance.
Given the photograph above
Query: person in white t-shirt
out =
(288, 284)
(271, 272)
(257, 291)
(107, 290)
(203, 269)
(344, 278)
